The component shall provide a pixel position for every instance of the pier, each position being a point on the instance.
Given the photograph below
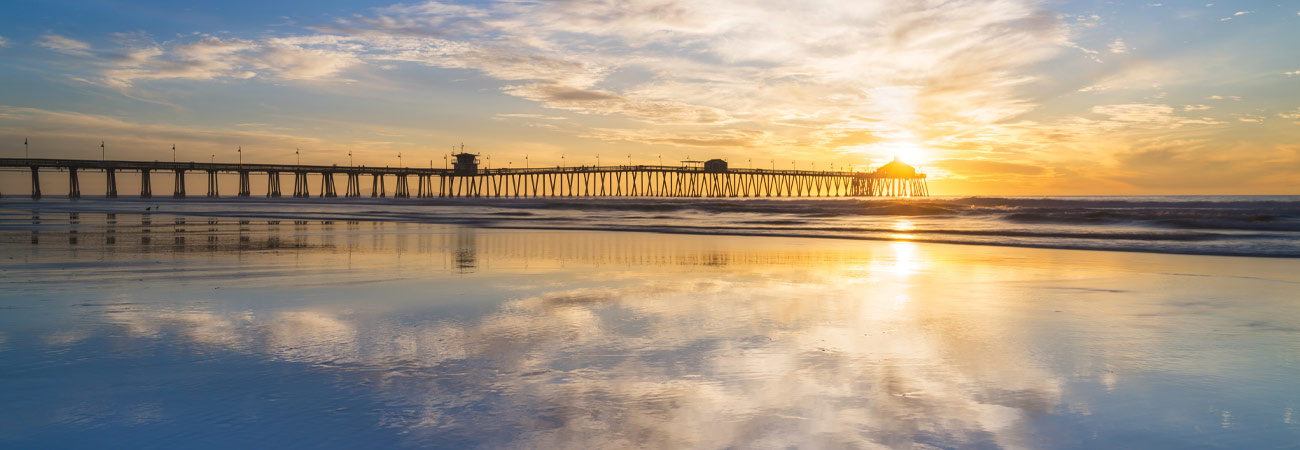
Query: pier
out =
(693, 179)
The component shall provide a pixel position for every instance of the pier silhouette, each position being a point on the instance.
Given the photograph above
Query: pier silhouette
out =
(711, 178)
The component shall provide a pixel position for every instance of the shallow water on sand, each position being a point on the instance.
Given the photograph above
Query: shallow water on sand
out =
(161, 331)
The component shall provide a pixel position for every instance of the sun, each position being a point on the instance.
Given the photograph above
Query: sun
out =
(910, 153)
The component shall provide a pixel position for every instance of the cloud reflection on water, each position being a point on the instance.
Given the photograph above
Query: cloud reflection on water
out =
(664, 359)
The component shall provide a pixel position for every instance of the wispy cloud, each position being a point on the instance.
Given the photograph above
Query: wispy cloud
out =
(1235, 15)
(1118, 46)
(3, 42)
(209, 58)
(64, 45)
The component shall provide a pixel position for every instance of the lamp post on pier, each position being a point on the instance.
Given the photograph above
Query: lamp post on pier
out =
(298, 153)
(26, 155)
(173, 153)
(103, 153)
(240, 151)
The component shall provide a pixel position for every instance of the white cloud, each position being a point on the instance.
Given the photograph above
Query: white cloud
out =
(1234, 15)
(1294, 115)
(1196, 107)
(1292, 73)
(3, 42)
(64, 45)
(1118, 46)
(211, 58)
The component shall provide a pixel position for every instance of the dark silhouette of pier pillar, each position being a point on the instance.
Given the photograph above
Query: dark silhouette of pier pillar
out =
(111, 179)
(272, 184)
(300, 188)
(179, 192)
(402, 191)
(146, 188)
(244, 189)
(74, 186)
(36, 182)
(327, 185)
(377, 186)
(212, 184)
(354, 188)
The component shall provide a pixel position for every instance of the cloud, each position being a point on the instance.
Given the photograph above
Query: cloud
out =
(890, 70)
(1234, 15)
(728, 138)
(1118, 46)
(209, 58)
(1292, 73)
(988, 167)
(3, 42)
(64, 45)
(1197, 107)
(1294, 115)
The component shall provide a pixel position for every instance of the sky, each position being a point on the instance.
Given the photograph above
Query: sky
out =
(988, 97)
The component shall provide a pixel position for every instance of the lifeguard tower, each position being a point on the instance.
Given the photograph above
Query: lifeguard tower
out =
(466, 163)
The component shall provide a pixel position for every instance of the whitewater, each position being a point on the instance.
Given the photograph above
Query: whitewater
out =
(1263, 226)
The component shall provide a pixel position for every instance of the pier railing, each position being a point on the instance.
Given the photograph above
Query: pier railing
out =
(571, 181)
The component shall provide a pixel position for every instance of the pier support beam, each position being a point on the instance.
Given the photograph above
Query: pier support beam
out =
(377, 186)
(146, 186)
(111, 180)
(354, 185)
(402, 191)
(327, 185)
(179, 192)
(300, 188)
(74, 186)
(244, 189)
(273, 184)
(212, 184)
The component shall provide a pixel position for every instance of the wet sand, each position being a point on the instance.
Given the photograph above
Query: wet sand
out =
(144, 331)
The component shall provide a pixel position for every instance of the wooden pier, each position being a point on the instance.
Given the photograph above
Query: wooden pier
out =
(709, 179)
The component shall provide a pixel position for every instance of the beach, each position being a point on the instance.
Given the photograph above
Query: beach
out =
(209, 329)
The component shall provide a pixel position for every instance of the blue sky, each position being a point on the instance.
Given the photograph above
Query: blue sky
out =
(998, 96)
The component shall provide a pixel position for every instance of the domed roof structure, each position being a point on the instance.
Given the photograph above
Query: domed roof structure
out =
(896, 169)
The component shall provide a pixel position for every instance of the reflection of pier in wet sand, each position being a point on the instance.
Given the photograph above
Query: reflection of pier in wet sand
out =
(450, 246)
